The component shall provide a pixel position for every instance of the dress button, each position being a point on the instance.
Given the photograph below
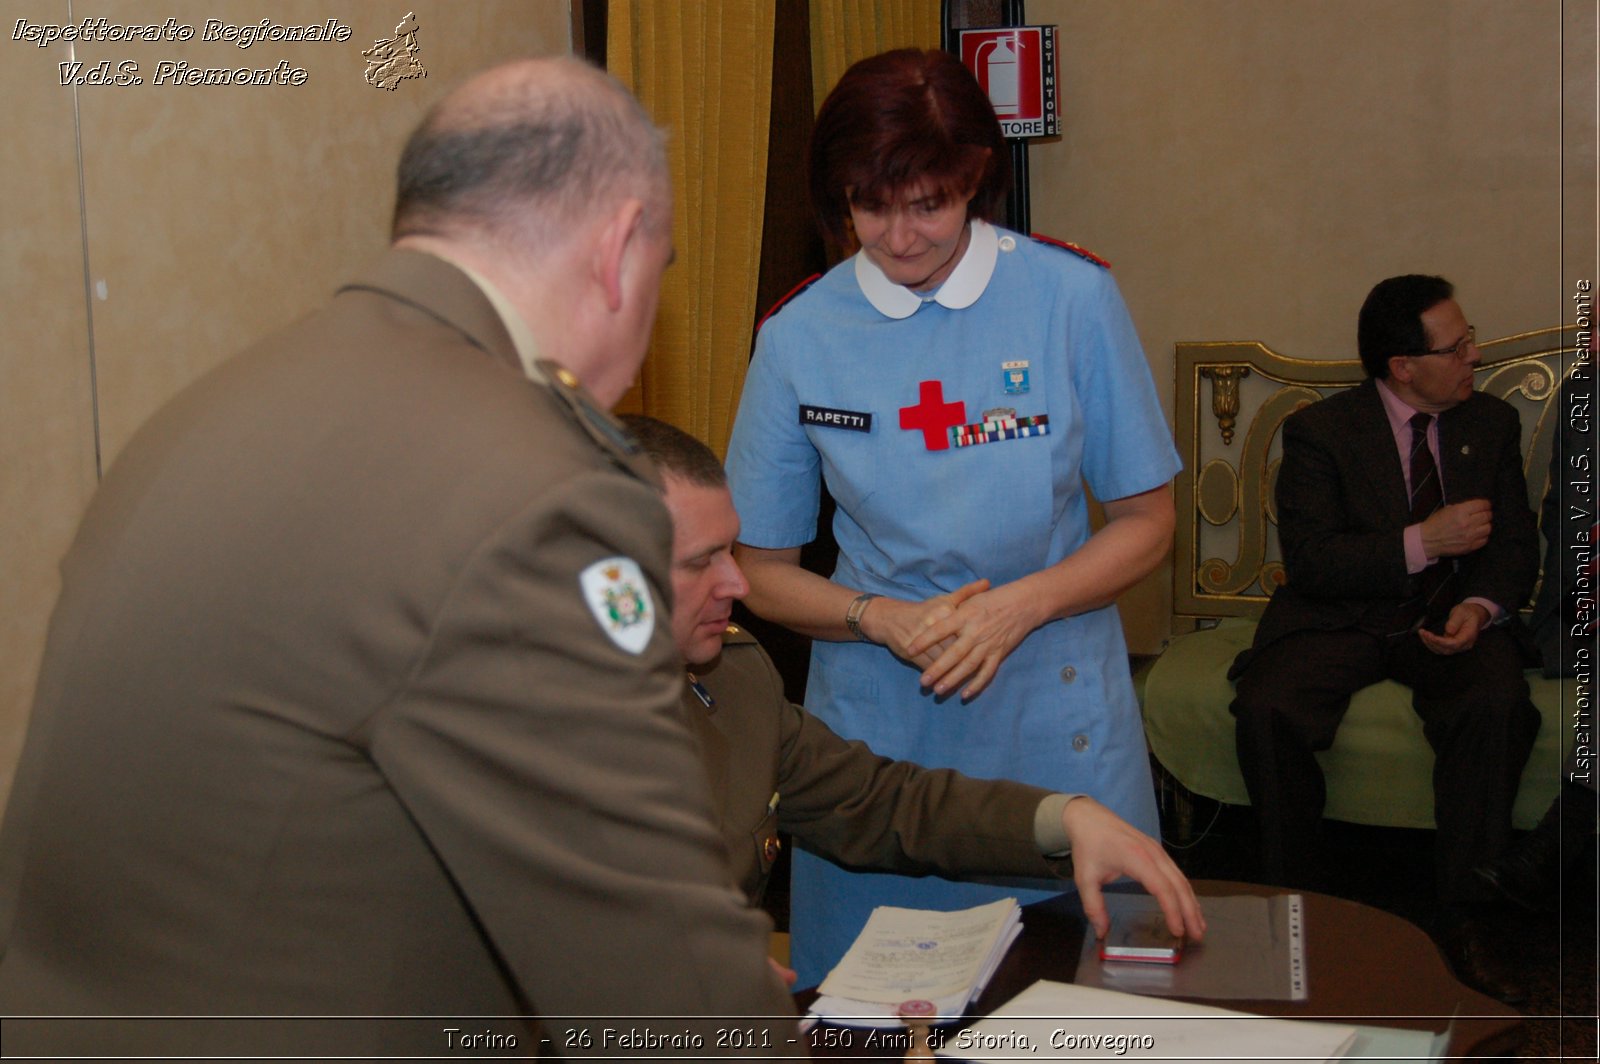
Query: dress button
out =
(1068, 674)
(1080, 743)
(1008, 243)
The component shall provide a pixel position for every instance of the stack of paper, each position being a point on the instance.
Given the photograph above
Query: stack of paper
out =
(918, 962)
(1059, 1021)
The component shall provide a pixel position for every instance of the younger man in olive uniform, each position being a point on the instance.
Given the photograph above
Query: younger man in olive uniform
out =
(775, 767)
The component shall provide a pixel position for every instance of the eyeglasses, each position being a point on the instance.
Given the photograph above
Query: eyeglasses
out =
(1458, 349)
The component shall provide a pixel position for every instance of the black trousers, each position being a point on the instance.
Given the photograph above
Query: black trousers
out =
(1476, 714)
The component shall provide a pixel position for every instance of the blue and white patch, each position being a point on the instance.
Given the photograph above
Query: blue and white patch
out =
(619, 597)
(1014, 376)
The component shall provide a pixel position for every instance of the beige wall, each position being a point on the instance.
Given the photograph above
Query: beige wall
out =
(1250, 166)
(210, 214)
(1253, 167)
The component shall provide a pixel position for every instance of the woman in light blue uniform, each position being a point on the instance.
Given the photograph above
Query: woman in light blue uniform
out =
(959, 388)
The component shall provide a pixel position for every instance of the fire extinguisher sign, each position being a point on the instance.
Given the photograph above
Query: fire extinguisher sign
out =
(1016, 66)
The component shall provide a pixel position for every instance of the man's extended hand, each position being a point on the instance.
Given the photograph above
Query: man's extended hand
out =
(1457, 529)
(1461, 630)
(1105, 847)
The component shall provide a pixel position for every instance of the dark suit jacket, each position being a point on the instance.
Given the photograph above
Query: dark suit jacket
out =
(1342, 512)
(326, 724)
(840, 797)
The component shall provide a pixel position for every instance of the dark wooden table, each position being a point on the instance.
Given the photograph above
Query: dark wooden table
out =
(1364, 966)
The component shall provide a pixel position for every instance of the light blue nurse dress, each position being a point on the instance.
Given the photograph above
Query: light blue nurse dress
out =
(1026, 357)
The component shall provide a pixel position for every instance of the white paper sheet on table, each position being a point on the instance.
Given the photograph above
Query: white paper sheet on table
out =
(1061, 1021)
(1391, 1045)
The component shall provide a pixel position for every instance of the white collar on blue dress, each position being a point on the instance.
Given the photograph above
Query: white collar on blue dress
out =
(959, 291)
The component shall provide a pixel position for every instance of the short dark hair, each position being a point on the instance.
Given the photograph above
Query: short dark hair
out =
(675, 452)
(902, 117)
(1391, 319)
(562, 144)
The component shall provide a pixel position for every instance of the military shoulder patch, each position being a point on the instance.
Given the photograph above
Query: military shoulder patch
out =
(780, 304)
(619, 597)
(1082, 253)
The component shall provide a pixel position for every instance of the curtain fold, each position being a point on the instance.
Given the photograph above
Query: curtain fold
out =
(844, 31)
(704, 71)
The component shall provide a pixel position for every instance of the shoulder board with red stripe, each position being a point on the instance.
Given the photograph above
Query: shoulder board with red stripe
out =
(780, 304)
(1082, 253)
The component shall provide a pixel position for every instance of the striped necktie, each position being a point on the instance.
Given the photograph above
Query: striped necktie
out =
(1427, 495)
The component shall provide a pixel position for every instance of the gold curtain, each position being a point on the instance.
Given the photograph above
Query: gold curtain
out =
(844, 31)
(704, 71)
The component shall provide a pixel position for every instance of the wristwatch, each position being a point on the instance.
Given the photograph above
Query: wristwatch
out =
(852, 616)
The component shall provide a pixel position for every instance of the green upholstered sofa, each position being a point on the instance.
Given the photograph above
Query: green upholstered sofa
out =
(1231, 401)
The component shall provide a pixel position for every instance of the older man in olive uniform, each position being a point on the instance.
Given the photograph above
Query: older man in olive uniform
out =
(776, 767)
(356, 702)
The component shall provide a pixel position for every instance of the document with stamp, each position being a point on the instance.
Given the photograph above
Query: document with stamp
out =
(918, 962)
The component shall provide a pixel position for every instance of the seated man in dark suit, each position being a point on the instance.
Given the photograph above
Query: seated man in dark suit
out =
(775, 767)
(1408, 546)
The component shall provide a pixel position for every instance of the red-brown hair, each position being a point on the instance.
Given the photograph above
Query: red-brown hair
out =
(899, 118)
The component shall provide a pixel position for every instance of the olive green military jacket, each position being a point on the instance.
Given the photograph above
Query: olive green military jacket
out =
(774, 767)
(361, 699)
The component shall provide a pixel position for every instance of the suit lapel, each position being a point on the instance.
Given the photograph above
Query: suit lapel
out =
(713, 744)
(1460, 462)
(1372, 444)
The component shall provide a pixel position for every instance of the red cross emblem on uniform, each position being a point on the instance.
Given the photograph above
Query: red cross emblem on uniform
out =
(933, 416)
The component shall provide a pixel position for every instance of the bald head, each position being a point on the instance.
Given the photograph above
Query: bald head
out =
(523, 152)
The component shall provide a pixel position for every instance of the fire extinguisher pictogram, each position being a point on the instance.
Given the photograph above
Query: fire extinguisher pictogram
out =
(1000, 76)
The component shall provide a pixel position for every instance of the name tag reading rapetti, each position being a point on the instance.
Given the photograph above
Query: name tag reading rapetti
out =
(824, 417)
